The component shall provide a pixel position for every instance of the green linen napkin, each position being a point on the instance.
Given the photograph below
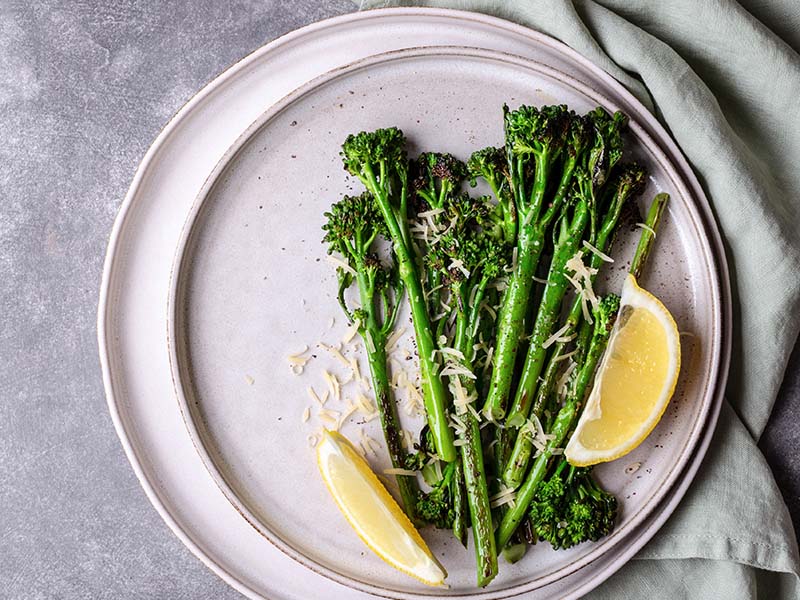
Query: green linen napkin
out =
(727, 88)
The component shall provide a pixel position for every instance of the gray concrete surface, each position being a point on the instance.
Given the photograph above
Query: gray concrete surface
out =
(84, 88)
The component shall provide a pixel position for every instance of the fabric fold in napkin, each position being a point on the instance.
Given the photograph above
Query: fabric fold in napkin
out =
(726, 86)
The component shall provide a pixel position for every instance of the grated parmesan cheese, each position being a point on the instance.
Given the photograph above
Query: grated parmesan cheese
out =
(314, 396)
(369, 342)
(431, 213)
(355, 369)
(335, 352)
(583, 278)
(505, 496)
(553, 338)
(351, 332)
(349, 410)
(297, 358)
(328, 414)
(339, 263)
(456, 369)
(453, 352)
(365, 405)
(647, 227)
(565, 356)
(561, 386)
(585, 310)
(489, 357)
(458, 425)
(458, 264)
(632, 468)
(474, 412)
(394, 471)
(492, 312)
(394, 338)
(594, 250)
(333, 385)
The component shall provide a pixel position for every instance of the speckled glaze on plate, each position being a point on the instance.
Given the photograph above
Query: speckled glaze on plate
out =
(249, 288)
(132, 312)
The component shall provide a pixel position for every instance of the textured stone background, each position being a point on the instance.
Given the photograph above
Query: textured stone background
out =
(84, 89)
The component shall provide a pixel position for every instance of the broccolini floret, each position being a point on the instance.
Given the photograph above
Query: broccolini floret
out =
(571, 508)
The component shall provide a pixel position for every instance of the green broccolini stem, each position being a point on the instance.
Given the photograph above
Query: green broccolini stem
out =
(472, 451)
(387, 409)
(459, 505)
(648, 235)
(520, 455)
(510, 322)
(352, 227)
(547, 315)
(562, 425)
(530, 243)
(478, 500)
(434, 393)
(566, 418)
(518, 461)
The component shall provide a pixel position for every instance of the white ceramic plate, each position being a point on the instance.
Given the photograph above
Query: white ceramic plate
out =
(250, 287)
(132, 312)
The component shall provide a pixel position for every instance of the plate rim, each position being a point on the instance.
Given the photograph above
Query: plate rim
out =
(107, 300)
(182, 260)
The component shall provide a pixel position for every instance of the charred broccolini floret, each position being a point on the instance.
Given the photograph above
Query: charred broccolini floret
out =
(437, 506)
(491, 165)
(435, 176)
(570, 508)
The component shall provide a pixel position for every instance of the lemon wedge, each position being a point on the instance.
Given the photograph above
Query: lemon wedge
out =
(634, 382)
(372, 512)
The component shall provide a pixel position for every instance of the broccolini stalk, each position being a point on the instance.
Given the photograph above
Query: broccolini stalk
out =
(460, 506)
(379, 161)
(570, 234)
(604, 317)
(589, 174)
(567, 417)
(353, 225)
(469, 260)
(537, 142)
(648, 235)
(434, 178)
(626, 185)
